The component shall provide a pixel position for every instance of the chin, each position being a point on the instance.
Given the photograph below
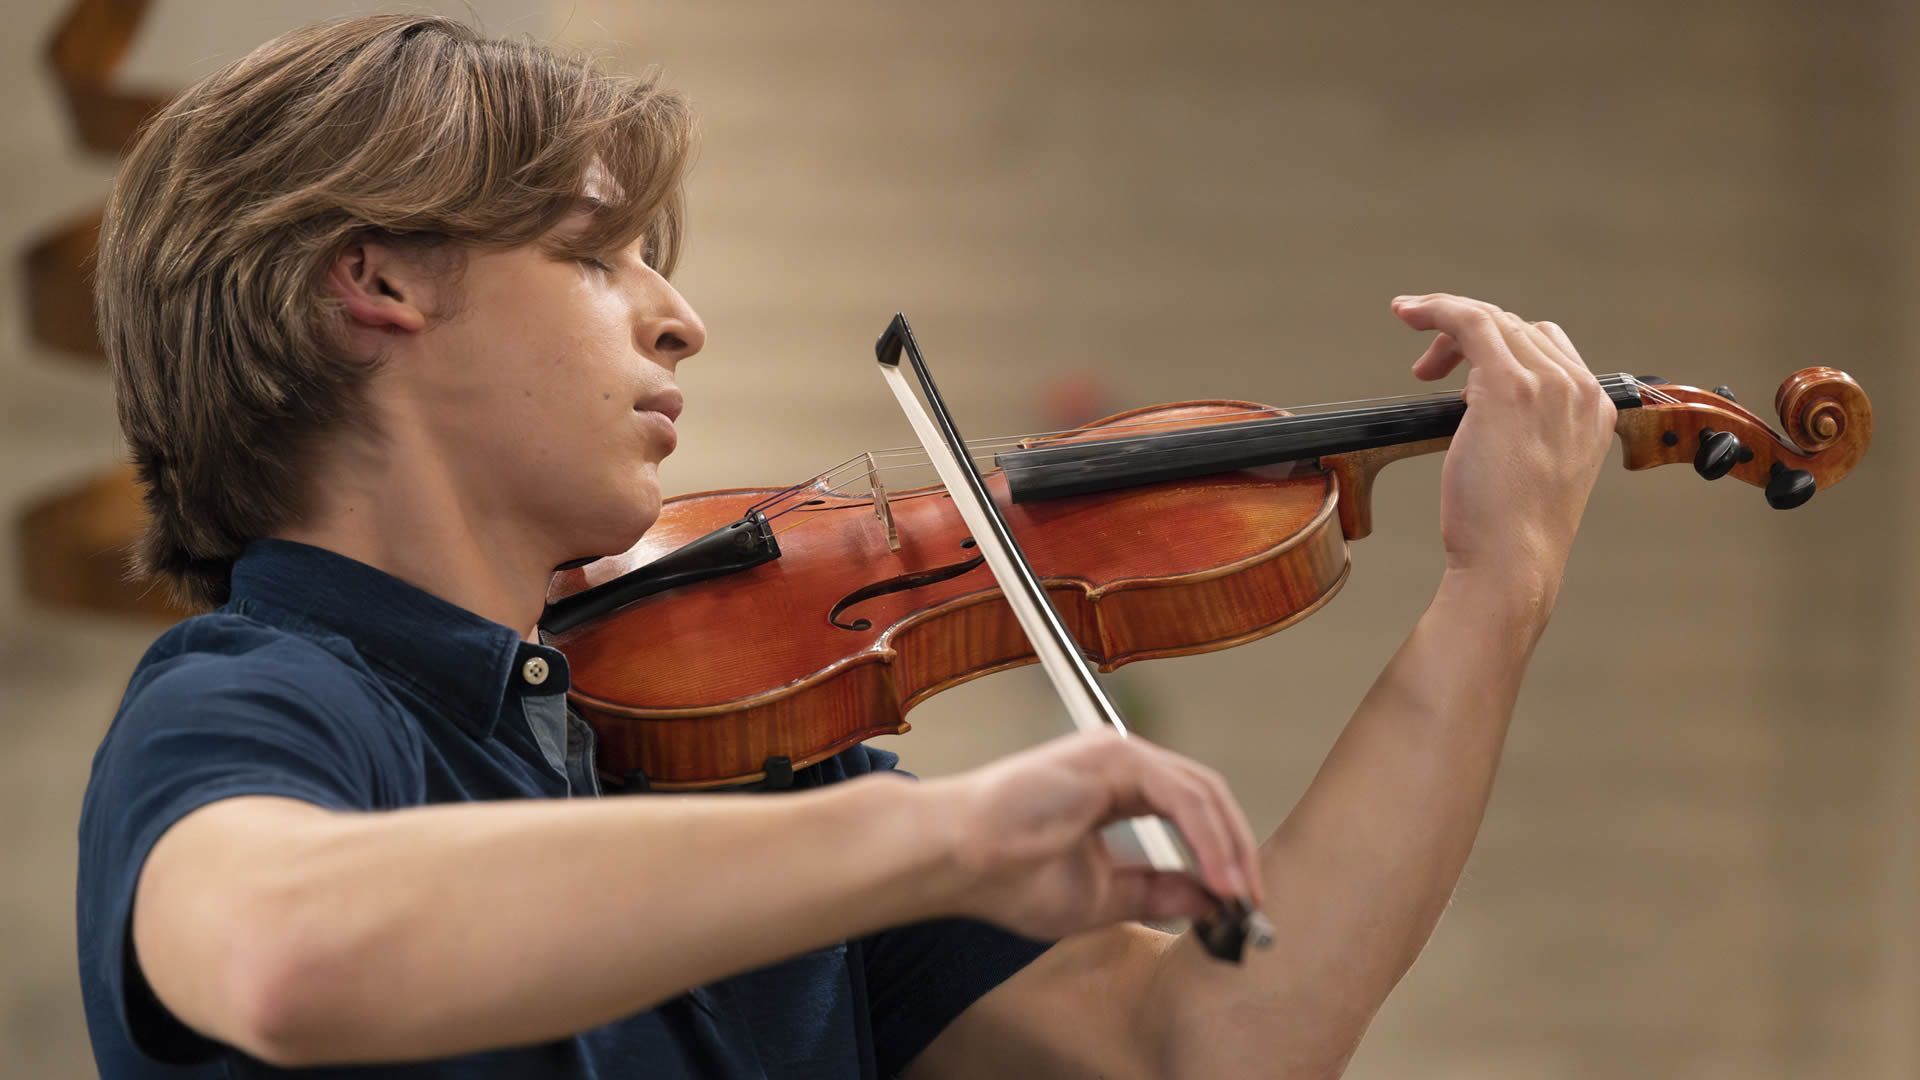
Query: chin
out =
(616, 530)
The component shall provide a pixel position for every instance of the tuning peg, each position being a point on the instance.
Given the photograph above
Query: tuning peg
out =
(1719, 452)
(1726, 392)
(1788, 488)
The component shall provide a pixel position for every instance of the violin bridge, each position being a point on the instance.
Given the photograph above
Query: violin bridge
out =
(881, 508)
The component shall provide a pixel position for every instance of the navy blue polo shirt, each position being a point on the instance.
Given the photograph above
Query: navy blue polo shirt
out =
(329, 681)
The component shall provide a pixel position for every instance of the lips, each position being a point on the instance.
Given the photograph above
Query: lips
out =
(667, 403)
(659, 412)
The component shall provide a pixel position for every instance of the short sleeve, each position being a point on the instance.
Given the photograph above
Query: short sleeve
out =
(921, 977)
(192, 731)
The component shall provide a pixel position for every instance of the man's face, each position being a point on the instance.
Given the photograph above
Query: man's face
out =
(550, 393)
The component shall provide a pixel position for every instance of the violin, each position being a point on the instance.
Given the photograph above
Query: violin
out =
(756, 631)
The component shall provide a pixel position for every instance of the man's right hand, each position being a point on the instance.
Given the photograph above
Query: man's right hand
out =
(1025, 835)
(306, 936)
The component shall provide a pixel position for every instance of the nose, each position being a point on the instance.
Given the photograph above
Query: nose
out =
(672, 330)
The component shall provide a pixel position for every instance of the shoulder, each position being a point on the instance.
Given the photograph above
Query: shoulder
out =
(227, 687)
(228, 654)
(227, 668)
(221, 706)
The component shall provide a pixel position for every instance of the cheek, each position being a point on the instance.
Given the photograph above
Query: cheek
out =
(562, 397)
(553, 346)
(585, 371)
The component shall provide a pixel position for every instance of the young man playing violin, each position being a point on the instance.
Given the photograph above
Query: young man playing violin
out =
(392, 339)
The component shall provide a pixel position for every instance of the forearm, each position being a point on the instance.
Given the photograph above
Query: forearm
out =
(1360, 871)
(440, 930)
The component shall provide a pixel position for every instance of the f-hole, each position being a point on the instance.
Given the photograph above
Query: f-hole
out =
(904, 582)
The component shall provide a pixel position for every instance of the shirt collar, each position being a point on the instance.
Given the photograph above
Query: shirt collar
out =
(464, 663)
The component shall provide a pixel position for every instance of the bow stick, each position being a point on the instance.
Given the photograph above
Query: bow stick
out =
(1152, 841)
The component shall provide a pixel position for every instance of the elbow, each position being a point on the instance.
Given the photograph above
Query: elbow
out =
(247, 931)
(1296, 1041)
(1327, 1049)
(273, 1012)
(1334, 1066)
(284, 991)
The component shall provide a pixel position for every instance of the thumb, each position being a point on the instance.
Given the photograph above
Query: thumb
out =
(1442, 356)
(1443, 352)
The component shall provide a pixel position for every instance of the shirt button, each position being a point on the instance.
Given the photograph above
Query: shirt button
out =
(535, 670)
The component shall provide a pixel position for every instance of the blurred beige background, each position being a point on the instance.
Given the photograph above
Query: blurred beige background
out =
(1703, 858)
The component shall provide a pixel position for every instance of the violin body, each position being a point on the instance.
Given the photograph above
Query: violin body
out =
(836, 640)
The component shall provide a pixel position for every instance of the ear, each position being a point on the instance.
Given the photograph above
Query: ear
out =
(379, 288)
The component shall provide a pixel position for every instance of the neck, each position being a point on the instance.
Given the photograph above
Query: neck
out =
(1104, 464)
(401, 511)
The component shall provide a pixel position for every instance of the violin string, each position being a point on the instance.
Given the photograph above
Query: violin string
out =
(1378, 413)
(1653, 391)
(816, 479)
(843, 489)
(1120, 430)
(822, 484)
(1261, 411)
(819, 492)
(1132, 426)
(1406, 405)
(1080, 449)
(819, 487)
(1648, 390)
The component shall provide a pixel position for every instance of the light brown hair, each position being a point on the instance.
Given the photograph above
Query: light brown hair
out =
(228, 363)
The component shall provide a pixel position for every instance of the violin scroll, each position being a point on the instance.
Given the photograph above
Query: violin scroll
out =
(1820, 406)
(1827, 419)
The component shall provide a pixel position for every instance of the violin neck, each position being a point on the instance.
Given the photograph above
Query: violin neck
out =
(1082, 468)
